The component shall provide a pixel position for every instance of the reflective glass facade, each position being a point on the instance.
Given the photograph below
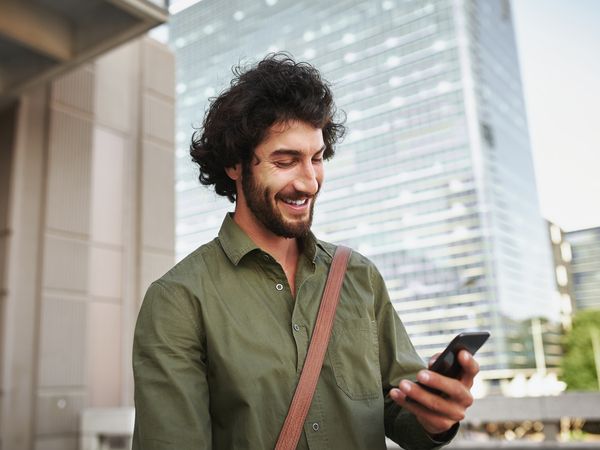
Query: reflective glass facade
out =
(585, 267)
(434, 181)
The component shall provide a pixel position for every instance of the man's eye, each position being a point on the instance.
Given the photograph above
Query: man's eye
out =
(284, 163)
(318, 160)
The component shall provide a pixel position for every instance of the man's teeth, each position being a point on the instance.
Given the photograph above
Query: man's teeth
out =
(295, 202)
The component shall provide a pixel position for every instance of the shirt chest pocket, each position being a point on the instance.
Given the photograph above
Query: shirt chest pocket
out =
(354, 357)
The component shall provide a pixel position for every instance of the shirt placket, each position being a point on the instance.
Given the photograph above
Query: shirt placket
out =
(315, 426)
(300, 327)
(283, 292)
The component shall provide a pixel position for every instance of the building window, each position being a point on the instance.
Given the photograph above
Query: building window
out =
(555, 234)
(488, 134)
(561, 275)
(565, 252)
(505, 10)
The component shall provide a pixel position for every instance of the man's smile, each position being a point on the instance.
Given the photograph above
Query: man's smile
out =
(297, 204)
(298, 201)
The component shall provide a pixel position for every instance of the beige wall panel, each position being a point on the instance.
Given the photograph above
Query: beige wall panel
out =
(158, 197)
(23, 272)
(7, 126)
(107, 197)
(104, 353)
(66, 263)
(5, 165)
(3, 262)
(57, 443)
(3, 346)
(69, 173)
(62, 342)
(154, 265)
(76, 89)
(158, 119)
(106, 273)
(116, 91)
(58, 412)
(158, 63)
(7, 144)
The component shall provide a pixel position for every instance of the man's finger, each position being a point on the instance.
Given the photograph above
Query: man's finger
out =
(453, 391)
(470, 368)
(433, 359)
(431, 420)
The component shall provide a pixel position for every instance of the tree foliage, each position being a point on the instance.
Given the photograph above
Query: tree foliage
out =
(578, 367)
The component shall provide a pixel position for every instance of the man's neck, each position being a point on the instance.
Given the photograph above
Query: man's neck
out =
(284, 250)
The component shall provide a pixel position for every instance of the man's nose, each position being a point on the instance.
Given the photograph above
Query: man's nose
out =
(307, 181)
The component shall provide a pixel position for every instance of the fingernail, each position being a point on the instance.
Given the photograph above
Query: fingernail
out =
(405, 386)
(423, 376)
(394, 393)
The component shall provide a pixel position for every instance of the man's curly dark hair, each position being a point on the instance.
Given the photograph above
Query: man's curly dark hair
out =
(276, 90)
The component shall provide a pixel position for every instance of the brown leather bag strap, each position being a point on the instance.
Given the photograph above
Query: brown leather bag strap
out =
(294, 422)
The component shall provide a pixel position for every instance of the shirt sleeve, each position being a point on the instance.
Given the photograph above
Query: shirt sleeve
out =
(169, 365)
(399, 360)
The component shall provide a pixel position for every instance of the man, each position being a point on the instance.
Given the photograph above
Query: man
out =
(222, 337)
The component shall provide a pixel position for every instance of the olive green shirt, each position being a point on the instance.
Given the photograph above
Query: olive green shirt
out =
(220, 343)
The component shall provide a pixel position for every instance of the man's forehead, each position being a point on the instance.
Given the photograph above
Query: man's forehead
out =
(291, 136)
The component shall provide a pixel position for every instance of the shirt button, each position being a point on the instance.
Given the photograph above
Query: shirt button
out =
(315, 426)
(296, 327)
(279, 287)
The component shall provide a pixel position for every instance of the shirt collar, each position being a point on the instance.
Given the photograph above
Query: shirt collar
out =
(236, 243)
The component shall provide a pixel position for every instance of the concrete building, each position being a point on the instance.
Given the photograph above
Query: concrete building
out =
(586, 266)
(562, 255)
(547, 335)
(435, 180)
(86, 206)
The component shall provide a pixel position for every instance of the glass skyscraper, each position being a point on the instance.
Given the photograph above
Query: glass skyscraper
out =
(434, 182)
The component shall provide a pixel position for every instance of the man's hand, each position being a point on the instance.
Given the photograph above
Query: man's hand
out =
(438, 413)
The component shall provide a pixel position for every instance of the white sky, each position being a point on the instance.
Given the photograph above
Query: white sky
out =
(559, 47)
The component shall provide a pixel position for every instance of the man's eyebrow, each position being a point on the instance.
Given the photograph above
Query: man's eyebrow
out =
(291, 152)
(285, 152)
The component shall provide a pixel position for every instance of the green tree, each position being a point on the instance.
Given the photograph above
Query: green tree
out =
(578, 366)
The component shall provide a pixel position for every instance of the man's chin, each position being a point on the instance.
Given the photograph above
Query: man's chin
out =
(293, 228)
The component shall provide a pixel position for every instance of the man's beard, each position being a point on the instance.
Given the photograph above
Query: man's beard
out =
(259, 201)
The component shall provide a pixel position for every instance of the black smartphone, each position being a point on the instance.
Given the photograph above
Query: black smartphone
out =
(447, 362)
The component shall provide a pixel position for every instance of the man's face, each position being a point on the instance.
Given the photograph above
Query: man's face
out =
(282, 181)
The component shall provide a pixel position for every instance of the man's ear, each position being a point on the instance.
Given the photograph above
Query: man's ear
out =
(235, 172)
